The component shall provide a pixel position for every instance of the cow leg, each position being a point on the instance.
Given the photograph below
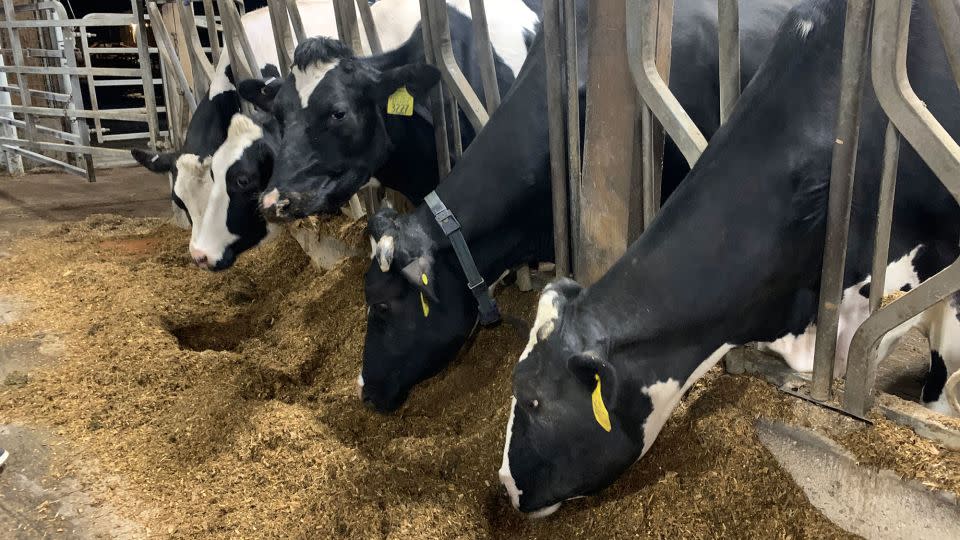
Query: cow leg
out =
(944, 337)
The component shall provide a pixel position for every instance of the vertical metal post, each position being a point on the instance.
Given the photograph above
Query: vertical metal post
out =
(282, 37)
(642, 52)
(146, 72)
(891, 32)
(436, 18)
(296, 21)
(8, 130)
(169, 55)
(18, 60)
(85, 45)
(445, 60)
(212, 34)
(488, 70)
(244, 65)
(574, 162)
(71, 83)
(881, 239)
(202, 69)
(651, 133)
(554, 49)
(843, 167)
(369, 26)
(947, 15)
(346, 16)
(436, 95)
(728, 13)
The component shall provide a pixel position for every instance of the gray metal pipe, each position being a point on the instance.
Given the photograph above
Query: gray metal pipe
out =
(554, 50)
(856, 39)
(728, 14)
(881, 238)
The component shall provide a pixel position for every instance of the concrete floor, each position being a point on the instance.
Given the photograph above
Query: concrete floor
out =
(33, 502)
(35, 200)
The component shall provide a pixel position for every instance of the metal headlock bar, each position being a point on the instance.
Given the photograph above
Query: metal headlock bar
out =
(61, 98)
(891, 26)
(908, 116)
(563, 111)
(853, 75)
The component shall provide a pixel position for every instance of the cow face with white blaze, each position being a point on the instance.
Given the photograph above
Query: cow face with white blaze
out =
(334, 138)
(419, 311)
(232, 222)
(192, 183)
(564, 437)
(585, 407)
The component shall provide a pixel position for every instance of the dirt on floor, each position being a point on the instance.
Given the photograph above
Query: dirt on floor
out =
(225, 405)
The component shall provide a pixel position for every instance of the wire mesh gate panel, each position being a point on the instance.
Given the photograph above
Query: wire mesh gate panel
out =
(51, 115)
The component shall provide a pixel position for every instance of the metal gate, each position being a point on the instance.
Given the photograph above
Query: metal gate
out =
(648, 35)
(59, 100)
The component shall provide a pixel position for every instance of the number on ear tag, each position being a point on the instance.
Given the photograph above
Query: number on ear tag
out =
(400, 103)
(599, 409)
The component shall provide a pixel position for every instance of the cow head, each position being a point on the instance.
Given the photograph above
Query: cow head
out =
(190, 178)
(331, 110)
(419, 311)
(231, 222)
(565, 437)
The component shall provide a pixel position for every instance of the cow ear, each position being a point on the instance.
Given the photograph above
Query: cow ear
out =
(383, 222)
(599, 377)
(161, 162)
(420, 273)
(417, 78)
(260, 93)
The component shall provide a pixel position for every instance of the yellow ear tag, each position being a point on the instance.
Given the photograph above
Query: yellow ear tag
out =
(400, 103)
(599, 409)
(425, 306)
(423, 301)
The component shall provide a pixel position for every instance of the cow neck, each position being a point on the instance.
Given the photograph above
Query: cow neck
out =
(411, 167)
(500, 189)
(208, 126)
(744, 231)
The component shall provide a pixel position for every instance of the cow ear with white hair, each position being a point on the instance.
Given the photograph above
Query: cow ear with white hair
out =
(384, 231)
(260, 92)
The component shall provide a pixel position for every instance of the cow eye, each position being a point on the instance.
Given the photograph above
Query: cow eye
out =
(339, 115)
(381, 308)
(242, 181)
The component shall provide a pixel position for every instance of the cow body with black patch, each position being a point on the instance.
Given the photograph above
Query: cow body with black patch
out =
(733, 257)
(500, 192)
(337, 132)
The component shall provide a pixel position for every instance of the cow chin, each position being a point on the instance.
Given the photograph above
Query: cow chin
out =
(381, 403)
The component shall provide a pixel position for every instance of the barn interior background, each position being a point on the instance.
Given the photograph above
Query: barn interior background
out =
(77, 97)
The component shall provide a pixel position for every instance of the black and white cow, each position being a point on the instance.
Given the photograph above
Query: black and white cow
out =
(733, 257)
(337, 131)
(500, 192)
(190, 166)
(240, 169)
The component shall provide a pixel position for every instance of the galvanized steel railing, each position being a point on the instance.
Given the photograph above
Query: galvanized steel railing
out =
(909, 116)
(58, 33)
